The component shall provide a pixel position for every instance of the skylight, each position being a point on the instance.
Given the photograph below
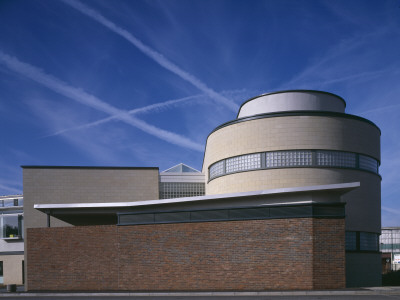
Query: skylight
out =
(181, 168)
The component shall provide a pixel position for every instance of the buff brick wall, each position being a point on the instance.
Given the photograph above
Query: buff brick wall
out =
(279, 254)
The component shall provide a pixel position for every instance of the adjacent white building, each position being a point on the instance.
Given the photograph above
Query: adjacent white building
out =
(11, 239)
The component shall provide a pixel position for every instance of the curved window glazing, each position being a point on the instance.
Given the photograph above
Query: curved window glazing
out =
(336, 159)
(293, 158)
(217, 169)
(368, 163)
(243, 163)
(288, 159)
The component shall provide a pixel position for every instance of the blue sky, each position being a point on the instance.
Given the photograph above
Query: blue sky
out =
(142, 83)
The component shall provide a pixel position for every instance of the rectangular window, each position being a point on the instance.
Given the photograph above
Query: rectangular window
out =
(136, 219)
(362, 241)
(8, 202)
(181, 189)
(172, 217)
(368, 241)
(11, 226)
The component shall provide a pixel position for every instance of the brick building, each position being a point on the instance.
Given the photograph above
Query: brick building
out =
(292, 201)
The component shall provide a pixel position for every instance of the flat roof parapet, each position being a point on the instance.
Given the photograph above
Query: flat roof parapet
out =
(88, 167)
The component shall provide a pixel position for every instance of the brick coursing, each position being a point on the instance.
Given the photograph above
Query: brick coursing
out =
(328, 254)
(280, 254)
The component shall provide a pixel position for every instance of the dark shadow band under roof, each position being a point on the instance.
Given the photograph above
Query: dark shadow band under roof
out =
(290, 91)
(89, 167)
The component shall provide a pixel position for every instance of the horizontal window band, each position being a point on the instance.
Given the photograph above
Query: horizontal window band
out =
(336, 211)
(293, 159)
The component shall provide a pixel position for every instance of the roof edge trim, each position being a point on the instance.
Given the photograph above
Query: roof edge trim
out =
(88, 167)
(340, 187)
(295, 113)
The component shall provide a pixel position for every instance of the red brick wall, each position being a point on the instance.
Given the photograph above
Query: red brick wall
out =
(279, 254)
(329, 251)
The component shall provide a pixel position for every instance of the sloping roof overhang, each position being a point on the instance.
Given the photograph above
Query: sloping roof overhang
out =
(106, 213)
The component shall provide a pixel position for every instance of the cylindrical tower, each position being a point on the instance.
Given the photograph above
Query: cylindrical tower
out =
(304, 138)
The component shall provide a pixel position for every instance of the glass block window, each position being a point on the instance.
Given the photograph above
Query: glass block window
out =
(351, 240)
(217, 169)
(369, 241)
(368, 163)
(244, 162)
(293, 158)
(170, 190)
(336, 159)
(288, 158)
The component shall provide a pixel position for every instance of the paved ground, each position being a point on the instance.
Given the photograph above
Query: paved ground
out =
(378, 293)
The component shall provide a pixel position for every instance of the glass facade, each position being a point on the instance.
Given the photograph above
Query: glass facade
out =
(390, 245)
(293, 158)
(390, 240)
(181, 189)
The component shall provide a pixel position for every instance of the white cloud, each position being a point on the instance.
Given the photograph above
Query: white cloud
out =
(154, 55)
(84, 98)
(10, 190)
(101, 146)
(145, 109)
(390, 216)
(352, 58)
(391, 210)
